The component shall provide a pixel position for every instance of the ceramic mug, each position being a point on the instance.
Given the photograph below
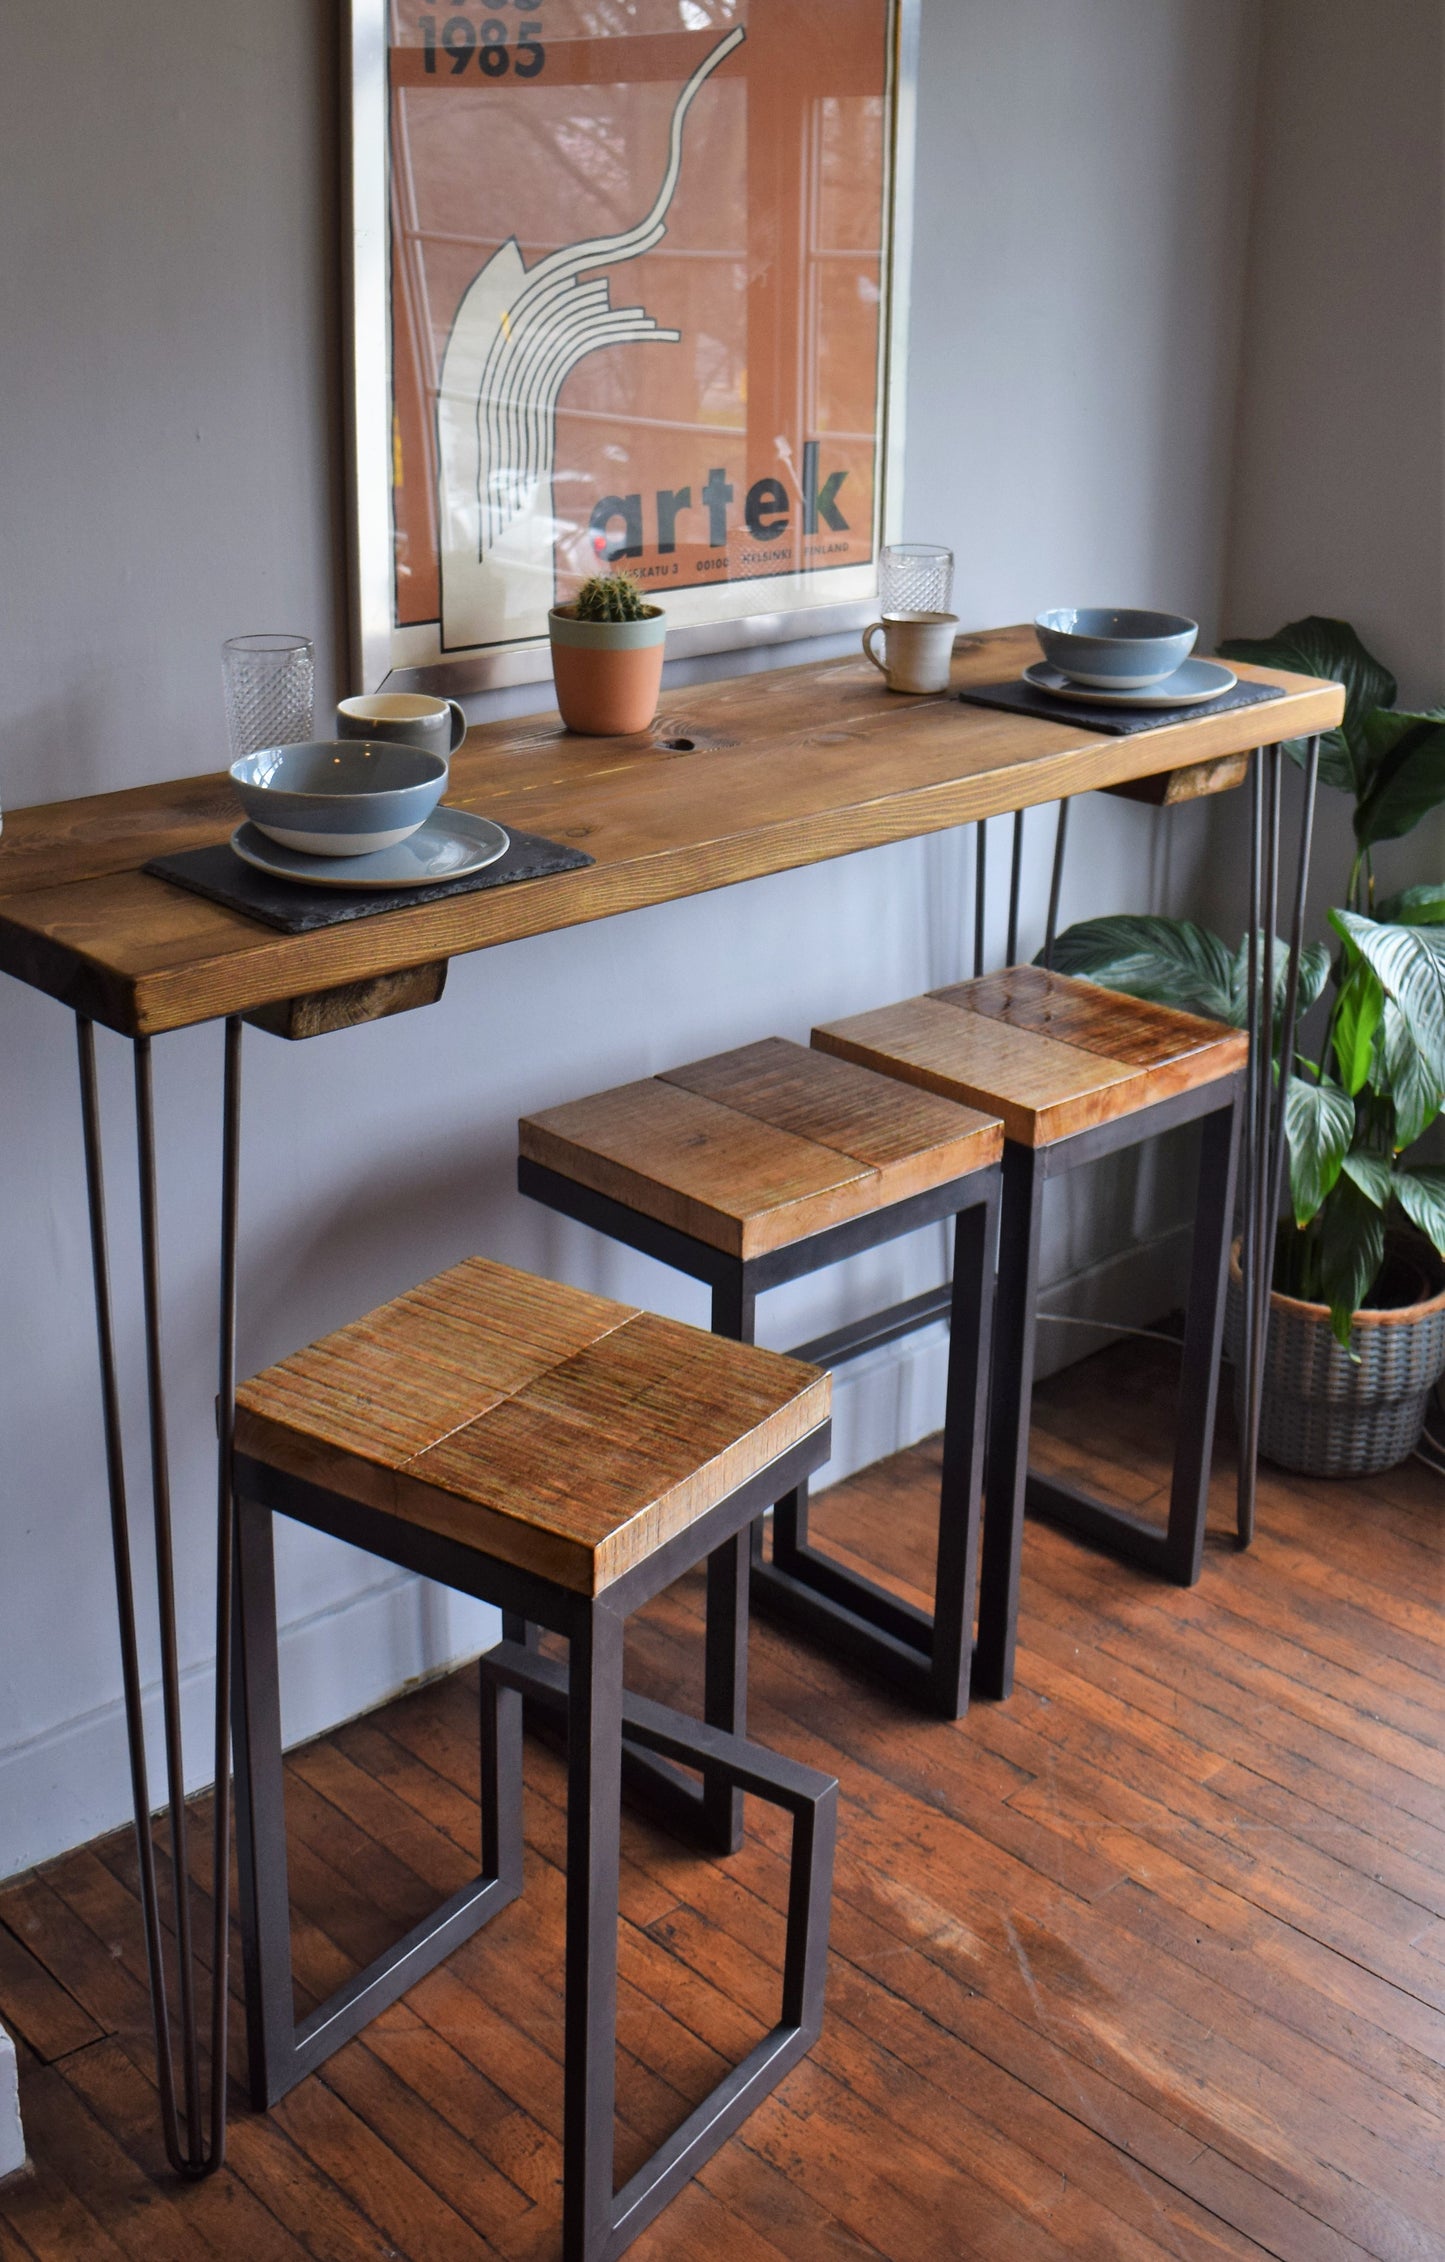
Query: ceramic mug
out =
(410, 718)
(917, 649)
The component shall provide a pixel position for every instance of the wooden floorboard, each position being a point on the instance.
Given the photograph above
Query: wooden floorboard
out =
(1149, 1961)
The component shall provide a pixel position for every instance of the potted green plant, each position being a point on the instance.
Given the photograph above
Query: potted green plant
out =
(607, 648)
(1357, 1312)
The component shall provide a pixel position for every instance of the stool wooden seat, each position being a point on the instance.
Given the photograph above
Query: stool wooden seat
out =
(759, 1166)
(758, 1148)
(565, 1457)
(1074, 1072)
(559, 1431)
(1047, 1053)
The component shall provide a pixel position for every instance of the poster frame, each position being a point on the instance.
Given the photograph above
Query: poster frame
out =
(367, 386)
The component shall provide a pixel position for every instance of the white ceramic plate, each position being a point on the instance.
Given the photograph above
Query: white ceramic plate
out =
(449, 846)
(1189, 686)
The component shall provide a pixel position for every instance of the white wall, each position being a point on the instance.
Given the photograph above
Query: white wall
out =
(170, 444)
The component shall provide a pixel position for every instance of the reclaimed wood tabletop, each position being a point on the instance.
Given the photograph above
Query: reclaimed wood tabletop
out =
(750, 775)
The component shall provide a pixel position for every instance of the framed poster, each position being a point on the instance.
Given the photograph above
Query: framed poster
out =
(628, 287)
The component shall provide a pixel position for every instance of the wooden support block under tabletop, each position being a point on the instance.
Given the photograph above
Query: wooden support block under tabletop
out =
(1166, 788)
(758, 1148)
(352, 1003)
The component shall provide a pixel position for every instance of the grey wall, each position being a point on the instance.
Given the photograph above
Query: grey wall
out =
(1339, 470)
(168, 430)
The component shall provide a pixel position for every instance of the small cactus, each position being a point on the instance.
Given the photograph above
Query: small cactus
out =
(611, 596)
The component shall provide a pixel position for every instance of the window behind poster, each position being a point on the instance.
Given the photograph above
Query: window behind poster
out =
(639, 301)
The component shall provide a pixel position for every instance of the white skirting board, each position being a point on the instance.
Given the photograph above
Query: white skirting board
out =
(71, 1783)
(12, 2142)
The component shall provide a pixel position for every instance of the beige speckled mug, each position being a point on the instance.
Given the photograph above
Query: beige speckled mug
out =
(917, 649)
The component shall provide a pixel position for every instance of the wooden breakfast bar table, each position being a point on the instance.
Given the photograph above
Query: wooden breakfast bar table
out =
(747, 776)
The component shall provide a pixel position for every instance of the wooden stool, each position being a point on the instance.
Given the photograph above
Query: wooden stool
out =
(567, 1458)
(757, 1167)
(1075, 1072)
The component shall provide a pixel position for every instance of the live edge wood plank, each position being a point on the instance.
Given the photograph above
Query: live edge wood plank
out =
(785, 769)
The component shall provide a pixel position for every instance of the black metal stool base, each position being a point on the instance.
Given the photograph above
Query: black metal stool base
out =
(851, 1617)
(1174, 1550)
(281, 2049)
(928, 1656)
(1114, 1531)
(673, 1739)
(607, 1733)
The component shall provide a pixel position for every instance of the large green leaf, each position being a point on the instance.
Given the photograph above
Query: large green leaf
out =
(1314, 972)
(1319, 1123)
(1320, 646)
(1374, 1176)
(1357, 1017)
(1409, 963)
(1421, 1195)
(1169, 960)
(1176, 963)
(1407, 774)
(1402, 1070)
(1352, 1250)
(1415, 907)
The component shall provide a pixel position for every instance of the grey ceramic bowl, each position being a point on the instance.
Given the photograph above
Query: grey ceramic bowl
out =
(340, 796)
(1111, 648)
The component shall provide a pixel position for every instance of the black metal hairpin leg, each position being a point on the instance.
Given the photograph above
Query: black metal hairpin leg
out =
(193, 2154)
(1264, 1133)
(1015, 889)
(1015, 896)
(1056, 883)
(980, 894)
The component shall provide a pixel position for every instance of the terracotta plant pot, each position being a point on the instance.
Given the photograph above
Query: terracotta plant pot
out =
(1327, 1414)
(608, 672)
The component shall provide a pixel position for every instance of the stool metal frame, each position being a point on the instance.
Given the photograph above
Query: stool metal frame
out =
(588, 1694)
(1176, 1552)
(926, 1654)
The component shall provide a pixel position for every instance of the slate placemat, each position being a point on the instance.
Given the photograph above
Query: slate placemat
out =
(219, 874)
(1119, 722)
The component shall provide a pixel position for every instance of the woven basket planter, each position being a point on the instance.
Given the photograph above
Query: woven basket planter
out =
(1324, 1413)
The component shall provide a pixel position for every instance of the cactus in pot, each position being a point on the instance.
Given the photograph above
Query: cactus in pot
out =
(607, 651)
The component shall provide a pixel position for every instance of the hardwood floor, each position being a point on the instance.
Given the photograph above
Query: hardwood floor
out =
(1148, 1961)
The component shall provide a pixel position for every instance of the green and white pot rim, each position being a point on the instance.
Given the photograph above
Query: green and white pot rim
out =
(607, 635)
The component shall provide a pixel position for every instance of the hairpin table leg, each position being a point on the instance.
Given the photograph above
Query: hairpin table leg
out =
(192, 2154)
(1265, 1141)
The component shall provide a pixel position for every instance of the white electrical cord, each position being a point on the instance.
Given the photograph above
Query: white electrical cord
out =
(1110, 1327)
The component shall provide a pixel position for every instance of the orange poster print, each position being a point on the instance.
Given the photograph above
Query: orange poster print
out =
(638, 265)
